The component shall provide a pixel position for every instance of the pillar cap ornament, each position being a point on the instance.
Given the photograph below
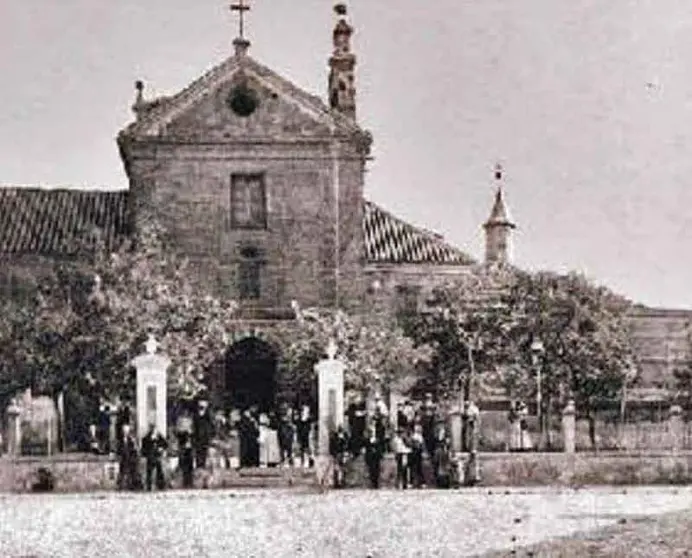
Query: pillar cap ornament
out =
(13, 409)
(570, 408)
(331, 349)
(152, 345)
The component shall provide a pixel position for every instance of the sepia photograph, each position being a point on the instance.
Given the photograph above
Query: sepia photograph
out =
(325, 279)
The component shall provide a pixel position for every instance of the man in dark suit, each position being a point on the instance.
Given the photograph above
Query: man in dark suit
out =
(428, 419)
(357, 414)
(186, 458)
(128, 475)
(202, 433)
(374, 451)
(249, 446)
(153, 447)
(286, 434)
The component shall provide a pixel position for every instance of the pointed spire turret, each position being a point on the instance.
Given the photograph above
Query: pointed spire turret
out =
(342, 90)
(499, 226)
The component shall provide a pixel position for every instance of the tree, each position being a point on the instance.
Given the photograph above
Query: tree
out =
(683, 374)
(377, 354)
(483, 326)
(92, 312)
(467, 324)
(587, 350)
(146, 288)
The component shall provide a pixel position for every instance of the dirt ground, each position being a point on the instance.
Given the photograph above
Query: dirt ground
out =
(666, 536)
(350, 523)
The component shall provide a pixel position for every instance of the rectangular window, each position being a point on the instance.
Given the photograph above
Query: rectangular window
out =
(249, 275)
(248, 201)
(407, 301)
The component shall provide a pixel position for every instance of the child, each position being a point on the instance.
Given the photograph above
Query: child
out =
(187, 459)
(417, 446)
(338, 449)
(401, 451)
(442, 462)
(304, 428)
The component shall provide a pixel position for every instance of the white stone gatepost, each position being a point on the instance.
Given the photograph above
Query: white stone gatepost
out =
(14, 429)
(151, 389)
(676, 427)
(569, 426)
(330, 401)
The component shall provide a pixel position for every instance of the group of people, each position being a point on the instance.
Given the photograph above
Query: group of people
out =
(276, 438)
(520, 437)
(419, 436)
(194, 432)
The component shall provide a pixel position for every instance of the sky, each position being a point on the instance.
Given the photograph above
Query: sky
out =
(586, 104)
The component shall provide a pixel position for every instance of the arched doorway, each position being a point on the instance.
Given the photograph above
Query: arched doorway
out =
(250, 375)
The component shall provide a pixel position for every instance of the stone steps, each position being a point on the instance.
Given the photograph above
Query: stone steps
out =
(254, 477)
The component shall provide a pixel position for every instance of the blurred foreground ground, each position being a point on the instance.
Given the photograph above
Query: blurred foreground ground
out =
(335, 524)
(667, 536)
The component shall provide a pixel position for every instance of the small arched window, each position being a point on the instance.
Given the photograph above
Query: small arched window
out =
(249, 274)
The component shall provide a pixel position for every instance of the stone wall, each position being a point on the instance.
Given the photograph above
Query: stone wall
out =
(81, 473)
(72, 473)
(662, 338)
(557, 469)
(188, 189)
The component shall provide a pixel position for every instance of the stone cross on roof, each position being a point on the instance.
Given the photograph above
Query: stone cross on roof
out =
(241, 8)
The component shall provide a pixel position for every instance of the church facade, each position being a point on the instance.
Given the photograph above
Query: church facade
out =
(261, 185)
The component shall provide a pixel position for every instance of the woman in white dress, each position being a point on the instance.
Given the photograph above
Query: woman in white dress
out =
(525, 435)
(514, 427)
(269, 443)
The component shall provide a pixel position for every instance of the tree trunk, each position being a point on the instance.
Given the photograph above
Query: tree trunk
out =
(592, 430)
(465, 394)
(548, 421)
(59, 403)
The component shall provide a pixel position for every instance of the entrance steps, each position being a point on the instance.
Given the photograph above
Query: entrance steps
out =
(255, 477)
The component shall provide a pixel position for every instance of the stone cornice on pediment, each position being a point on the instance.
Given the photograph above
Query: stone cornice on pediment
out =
(154, 116)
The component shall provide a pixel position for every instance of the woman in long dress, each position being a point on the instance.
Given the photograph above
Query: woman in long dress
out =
(525, 436)
(514, 427)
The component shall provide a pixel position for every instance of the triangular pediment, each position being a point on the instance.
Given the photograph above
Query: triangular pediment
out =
(213, 108)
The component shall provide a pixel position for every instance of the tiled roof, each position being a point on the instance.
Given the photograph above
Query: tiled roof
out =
(389, 239)
(41, 221)
(34, 220)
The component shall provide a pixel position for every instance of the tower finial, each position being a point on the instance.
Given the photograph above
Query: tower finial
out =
(139, 97)
(498, 171)
(241, 44)
(342, 91)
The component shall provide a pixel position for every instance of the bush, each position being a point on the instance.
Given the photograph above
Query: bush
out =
(45, 482)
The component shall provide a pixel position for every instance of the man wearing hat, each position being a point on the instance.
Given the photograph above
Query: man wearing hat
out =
(428, 415)
(357, 414)
(153, 447)
(202, 433)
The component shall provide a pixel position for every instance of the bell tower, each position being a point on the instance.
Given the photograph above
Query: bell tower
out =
(342, 88)
(499, 227)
